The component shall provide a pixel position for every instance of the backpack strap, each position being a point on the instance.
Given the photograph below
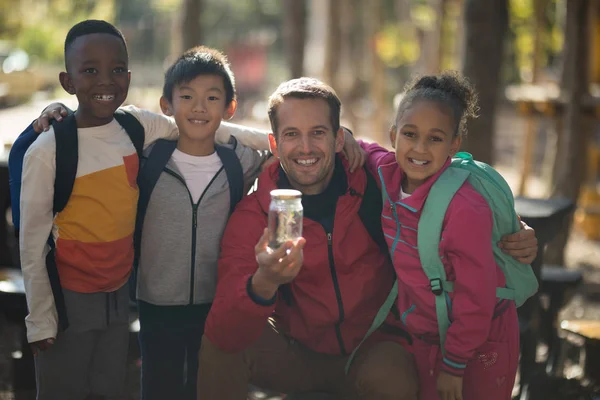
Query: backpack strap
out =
(428, 238)
(370, 210)
(67, 150)
(370, 215)
(134, 130)
(234, 172)
(150, 172)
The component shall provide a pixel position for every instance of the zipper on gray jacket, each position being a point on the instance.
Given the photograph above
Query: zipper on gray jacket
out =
(194, 224)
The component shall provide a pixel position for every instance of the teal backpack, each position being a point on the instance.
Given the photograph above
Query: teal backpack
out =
(521, 282)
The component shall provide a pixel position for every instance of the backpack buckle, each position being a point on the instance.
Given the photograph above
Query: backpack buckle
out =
(436, 286)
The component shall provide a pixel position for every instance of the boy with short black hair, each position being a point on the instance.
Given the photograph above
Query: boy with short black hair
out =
(93, 234)
(178, 266)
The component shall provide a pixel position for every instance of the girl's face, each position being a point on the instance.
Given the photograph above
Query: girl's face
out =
(424, 139)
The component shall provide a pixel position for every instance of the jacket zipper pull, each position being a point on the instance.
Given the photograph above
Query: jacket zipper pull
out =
(329, 240)
(195, 216)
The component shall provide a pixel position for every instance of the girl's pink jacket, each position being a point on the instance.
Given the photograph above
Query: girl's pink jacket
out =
(465, 250)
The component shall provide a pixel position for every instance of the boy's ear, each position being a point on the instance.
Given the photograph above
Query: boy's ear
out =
(273, 144)
(66, 83)
(228, 114)
(165, 106)
(393, 135)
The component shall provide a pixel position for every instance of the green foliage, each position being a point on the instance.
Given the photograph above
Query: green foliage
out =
(523, 27)
(42, 33)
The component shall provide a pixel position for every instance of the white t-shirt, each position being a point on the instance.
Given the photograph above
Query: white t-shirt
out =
(197, 170)
(403, 194)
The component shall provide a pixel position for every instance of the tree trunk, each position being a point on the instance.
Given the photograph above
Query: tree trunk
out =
(572, 143)
(432, 49)
(294, 32)
(482, 65)
(380, 124)
(333, 43)
(191, 29)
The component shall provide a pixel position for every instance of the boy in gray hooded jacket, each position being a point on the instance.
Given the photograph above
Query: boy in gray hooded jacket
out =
(183, 209)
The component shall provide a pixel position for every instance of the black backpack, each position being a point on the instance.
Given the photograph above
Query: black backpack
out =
(67, 158)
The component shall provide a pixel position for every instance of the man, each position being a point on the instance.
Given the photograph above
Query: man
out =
(287, 320)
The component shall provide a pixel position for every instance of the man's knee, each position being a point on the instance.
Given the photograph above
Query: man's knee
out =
(385, 371)
(212, 357)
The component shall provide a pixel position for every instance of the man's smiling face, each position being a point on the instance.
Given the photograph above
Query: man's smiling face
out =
(306, 143)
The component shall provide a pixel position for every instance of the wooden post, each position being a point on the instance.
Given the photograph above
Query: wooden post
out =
(571, 162)
(482, 64)
(294, 33)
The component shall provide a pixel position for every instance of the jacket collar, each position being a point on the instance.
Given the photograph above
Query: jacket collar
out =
(392, 177)
(270, 177)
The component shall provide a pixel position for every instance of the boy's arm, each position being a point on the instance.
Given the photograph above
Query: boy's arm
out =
(253, 138)
(37, 218)
(158, 126)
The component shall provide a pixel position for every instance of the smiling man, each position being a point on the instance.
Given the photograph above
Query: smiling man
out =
(288, 320)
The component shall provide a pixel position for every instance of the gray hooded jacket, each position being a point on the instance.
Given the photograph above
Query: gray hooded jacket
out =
(180, 241)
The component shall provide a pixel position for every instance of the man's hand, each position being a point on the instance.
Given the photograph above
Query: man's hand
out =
(449, 387)
(277, 267)
(355, 155)
(522, 246)
(41, 345)
(54, 111)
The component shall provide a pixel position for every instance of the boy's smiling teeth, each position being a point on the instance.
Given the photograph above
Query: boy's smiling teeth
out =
(104, 97)
(198, 121)
(310, 161)
(418, 162)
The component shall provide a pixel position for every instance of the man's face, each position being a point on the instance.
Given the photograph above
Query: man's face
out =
(98, 74)
(306, 144)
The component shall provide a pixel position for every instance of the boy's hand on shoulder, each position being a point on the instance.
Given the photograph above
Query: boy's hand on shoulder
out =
(449, 387)
(41, 345)
(55, 111)
(355, 155)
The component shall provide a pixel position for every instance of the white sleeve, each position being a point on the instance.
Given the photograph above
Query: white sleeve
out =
(156, 126)
(256, 139)
(37, 218)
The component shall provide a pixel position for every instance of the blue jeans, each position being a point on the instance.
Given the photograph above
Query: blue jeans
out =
(170, 338)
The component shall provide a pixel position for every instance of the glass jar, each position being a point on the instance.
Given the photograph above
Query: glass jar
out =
(285, 217)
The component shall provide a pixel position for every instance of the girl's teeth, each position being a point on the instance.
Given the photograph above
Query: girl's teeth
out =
(418, 162)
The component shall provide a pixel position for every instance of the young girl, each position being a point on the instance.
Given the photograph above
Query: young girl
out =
(482, 342)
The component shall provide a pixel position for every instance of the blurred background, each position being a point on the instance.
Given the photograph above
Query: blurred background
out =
(535, 65)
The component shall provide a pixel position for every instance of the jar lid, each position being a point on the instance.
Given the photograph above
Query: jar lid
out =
(285, 194)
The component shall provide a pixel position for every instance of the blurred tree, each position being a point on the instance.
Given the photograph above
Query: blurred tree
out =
(333, 44)
(294, 35)
(482, 64)
(572, 153)
(191, 28)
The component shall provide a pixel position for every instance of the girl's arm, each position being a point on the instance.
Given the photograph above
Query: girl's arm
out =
(467, 243)
(376, 157)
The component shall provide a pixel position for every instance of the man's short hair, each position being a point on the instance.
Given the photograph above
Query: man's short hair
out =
(305, 88)
(198, 61)
(89, 27)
